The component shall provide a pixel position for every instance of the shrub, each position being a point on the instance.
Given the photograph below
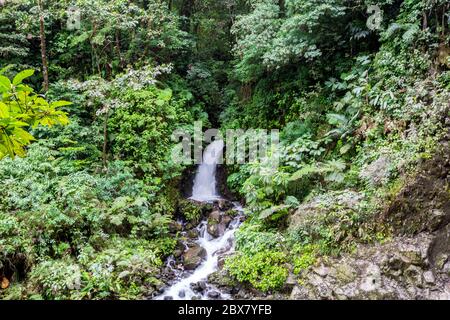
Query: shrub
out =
(251, 239)
(264, 270)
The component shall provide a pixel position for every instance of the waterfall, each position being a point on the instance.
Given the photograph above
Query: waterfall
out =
(204, 190)
(205, 180)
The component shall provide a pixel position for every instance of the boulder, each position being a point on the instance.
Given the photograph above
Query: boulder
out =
(291, 282)
(226, 220)
(192, 234)
(213, 294)
(222, 280)
(223, 204)
(377, 173)
(193, 257)
(218, 223)
(198, 286)
(214, 216)
(216, 229)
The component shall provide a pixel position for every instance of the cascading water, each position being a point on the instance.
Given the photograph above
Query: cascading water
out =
(204, 190)
(205, 180)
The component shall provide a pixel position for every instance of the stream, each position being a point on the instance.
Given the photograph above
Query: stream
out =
(187, 283)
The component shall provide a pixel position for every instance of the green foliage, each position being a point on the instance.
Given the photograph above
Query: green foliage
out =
(143, 127)
(112, 35)
(252, 238)
(331, 170)
(122, 270)
(190, 211)
(264, 270)
(304, 256)
(59, 211)
(22, 109)
(338, 222)
(267, 36)
(86, 215)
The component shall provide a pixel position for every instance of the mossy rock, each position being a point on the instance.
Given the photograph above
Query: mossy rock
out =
(190, 210)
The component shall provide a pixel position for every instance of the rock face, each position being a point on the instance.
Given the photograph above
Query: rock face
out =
(193, 257)
(400, 269)
(377, 173)
(413, 264)
(423, 204)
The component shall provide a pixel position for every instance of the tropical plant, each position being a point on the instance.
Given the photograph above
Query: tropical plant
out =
(21, 109)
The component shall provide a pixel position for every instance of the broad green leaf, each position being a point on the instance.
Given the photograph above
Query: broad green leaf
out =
(292, 201)
(41, 102)
(165, 94)
(345, 148)
(5, 84)
(22, 75)
(22, 136)
(60, 103)
(268, 212)
(4, 110)
(336, 119)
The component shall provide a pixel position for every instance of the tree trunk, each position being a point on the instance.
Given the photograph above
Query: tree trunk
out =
(425, 21)
(105, 140)
(43, 47)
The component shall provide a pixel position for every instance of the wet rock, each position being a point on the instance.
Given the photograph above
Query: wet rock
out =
(217, 223)
(222, 280)
(214, 216)
(223, 204)
(182, 294)
(160, 286)
(178, 253)
(221, 262)
(168, 298)
(193, 257)
(180, 245)
(198, 286)
(192, 234)
(215, 229)
(213, 294)
(226, 220)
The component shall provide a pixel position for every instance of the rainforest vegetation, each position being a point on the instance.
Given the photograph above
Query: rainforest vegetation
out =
(92, 90)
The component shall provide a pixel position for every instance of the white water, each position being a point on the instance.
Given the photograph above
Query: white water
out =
(205, 180)
(204, 190)
(213, 247)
